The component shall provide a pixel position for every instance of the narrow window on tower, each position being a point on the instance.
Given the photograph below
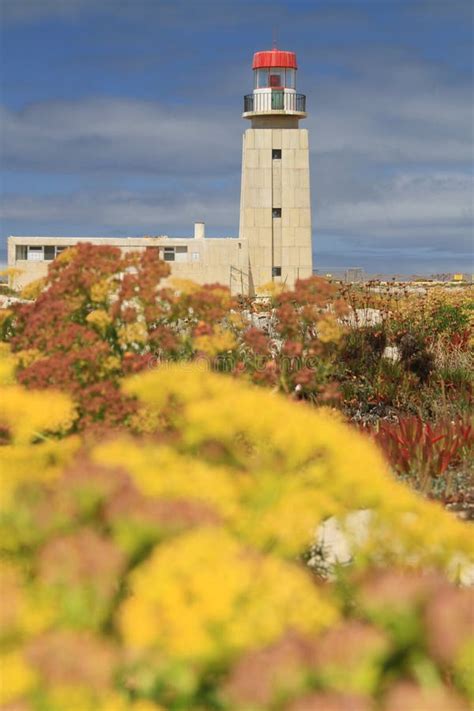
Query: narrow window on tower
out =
(276, 212)
(276, 271)
(276, 153)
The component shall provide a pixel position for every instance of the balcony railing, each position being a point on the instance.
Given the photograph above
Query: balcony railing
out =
(274, 101)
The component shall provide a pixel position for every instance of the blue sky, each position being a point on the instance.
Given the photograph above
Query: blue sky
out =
(122, 117)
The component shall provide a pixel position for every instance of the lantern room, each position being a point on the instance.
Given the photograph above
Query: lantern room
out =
(274, 69)
(274, 86)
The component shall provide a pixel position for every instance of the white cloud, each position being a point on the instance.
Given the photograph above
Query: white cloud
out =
(411, 113)
(125, 212)
(409, 209)
(113, 134)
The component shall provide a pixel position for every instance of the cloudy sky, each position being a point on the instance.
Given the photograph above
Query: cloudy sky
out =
(122, 117)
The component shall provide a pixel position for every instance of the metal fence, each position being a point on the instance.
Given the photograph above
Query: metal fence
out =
(274, 101)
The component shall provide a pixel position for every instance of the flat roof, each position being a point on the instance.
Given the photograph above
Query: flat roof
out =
(135, 241)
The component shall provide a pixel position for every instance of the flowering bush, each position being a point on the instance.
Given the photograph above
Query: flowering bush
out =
(70, 337)
(101, 314)
(429, 336)
(167, 571)
(306, 333)
(30, 450)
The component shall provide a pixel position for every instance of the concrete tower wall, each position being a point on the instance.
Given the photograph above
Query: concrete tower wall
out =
(275, 178)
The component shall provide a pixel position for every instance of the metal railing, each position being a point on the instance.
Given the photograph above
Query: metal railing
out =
(274, 101)
(242, 279)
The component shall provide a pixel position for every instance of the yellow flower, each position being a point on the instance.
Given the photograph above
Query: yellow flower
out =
(17, 677)
(163, 472)
(72, 698)
(101, 290)
(99, 319)
(5, 314)
(22, 611)
(41, 462)
(27, 417)
(115, 702)
(27, 414)
(11, 273)
(118, 703)
(67, 255)
(290, 454)
(219, 341)
(133, 333)
(329, 330)
(271, 289)
(8, 366)
(32, 290)
(235, 319)
(27, 357)
(145, 421)
(112, 363)
(184, 286)
(204, 595)
(146, 706)
(270, 471)
(464, 668)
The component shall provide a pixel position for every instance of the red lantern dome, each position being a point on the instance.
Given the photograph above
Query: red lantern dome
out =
(274, 58)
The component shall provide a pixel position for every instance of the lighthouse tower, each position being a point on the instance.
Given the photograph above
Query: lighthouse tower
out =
(275, 207)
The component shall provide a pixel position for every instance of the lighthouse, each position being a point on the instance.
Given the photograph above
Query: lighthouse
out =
(275, 205)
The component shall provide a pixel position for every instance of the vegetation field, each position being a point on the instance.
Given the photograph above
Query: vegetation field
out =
(168, 454)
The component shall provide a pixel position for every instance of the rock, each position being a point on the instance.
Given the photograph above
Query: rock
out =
(359, 318)
(391, 353)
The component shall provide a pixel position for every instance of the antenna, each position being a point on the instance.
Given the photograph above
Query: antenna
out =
(274, 37)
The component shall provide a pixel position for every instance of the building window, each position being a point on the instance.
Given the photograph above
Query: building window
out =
(60, 249)
(181, 254)
(21, 251)
(276, 212)
(276, 271)
(49, 253)
(276, 153)
(175, 254)
(290, 81)
(35, 254)
(261, 78)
